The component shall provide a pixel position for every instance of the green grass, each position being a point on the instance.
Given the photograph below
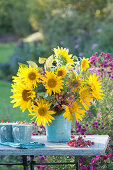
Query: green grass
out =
(7, 112)
(6, 50)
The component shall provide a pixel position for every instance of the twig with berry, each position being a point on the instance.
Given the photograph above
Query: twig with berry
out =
(79, 142)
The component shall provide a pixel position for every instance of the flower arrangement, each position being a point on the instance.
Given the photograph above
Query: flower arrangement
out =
(63, 84)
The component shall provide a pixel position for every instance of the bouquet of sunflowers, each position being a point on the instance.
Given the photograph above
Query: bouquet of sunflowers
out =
(62, 84)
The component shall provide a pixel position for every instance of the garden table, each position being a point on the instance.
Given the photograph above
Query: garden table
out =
(53, 149)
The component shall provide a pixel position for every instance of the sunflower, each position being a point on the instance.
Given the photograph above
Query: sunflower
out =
(22, 96)
(95, 86)
(52, 83)
(42, 112)
(30, 75)
(85, 97)
(62, 56)
(19, 77)
(75, 83)
(73, 108)
(68, 113)
(78, 111)
(84, 64)
(61, 72)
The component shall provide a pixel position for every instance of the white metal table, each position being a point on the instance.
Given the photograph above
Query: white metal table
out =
(53, 149)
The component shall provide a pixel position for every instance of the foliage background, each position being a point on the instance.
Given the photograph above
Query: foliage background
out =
(78, 25)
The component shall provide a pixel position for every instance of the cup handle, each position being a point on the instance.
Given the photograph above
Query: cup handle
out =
(3, 132)
(16, 134)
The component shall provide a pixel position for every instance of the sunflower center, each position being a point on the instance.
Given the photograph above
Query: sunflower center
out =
(75, 83)
(84, 63)
(52, 83)
(26, 95)
(42, 111)
(60, 73)
(32, 76)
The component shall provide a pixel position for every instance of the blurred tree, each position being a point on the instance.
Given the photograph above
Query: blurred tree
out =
(64, 20)
(14, 17)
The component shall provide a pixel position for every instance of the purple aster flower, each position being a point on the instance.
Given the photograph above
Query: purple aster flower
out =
(105, 63)
(93, 160)
(78, 124)
(62, 43)
(84, 129)
(105, 157)
(80, 159)
(82, 133)
(94, 46)
(111, 64)
(97, 157)
(88, 167)
(95, 122)
(102, 127)
(41, 159)
(88, 113)
(84, 159)
(42, 166)
(103, 163)
(102, 53)
(109, 71)
(80, 164)
(111, 76)
(110, 155)
(108, 54)
(41, 126)
(76, 46)
(96, 126)
(92, 167)
(35, 156)
(99, 30)
(77, 130)
(78, 40)
(93, 59)
(111, 58)
(84, 167)
(96, 53)
(81, 54)
(38, 166)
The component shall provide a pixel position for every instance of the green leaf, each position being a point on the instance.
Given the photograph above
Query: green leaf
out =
(32, 64)
(74, 120)
(22, 65)
(41, 94)
(80, 104)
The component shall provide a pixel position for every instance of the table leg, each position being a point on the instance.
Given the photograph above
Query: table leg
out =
(31, 162)
(25, 163)
(77, 162)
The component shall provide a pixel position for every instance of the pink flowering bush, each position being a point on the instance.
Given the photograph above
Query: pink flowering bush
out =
(102, 64)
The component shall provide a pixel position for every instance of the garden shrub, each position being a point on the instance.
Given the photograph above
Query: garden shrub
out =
(14, 17)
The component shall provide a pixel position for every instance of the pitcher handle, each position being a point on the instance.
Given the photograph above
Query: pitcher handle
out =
(16, 134)
(3, 132)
